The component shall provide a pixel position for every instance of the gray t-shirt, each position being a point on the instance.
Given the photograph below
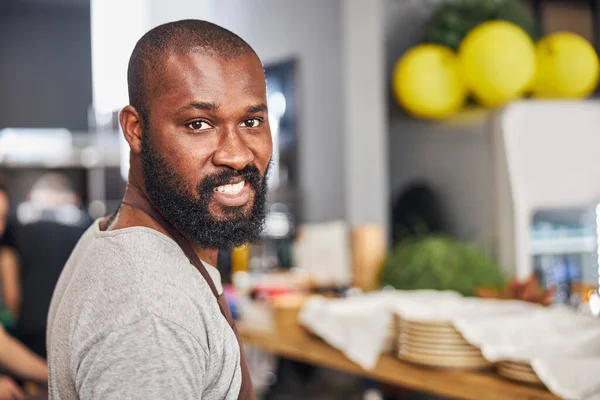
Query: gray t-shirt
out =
(131, 318)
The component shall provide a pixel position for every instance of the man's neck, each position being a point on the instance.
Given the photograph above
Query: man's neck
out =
(129, 216)
(209, 256)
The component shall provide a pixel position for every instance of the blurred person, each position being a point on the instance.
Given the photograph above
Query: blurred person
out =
(9, 390)
(50, 224)
(19, 361)
(4, 207)
(10, 281)
(10, 286)
(52, 198)
(139, 306)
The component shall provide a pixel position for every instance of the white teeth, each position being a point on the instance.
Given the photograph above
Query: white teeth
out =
(231, 189)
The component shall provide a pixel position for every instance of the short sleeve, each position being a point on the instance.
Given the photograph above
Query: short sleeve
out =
(149, 359)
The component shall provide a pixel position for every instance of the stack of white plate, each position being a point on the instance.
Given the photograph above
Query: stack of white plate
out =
(518, 371)
(391, 337)
(437, 344)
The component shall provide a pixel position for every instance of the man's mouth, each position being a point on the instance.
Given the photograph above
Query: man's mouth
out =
(232, 194)
(232, 188)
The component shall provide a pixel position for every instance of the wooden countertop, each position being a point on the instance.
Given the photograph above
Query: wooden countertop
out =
(457, 384)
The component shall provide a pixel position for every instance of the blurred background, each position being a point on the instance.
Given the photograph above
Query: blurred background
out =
(420, 146)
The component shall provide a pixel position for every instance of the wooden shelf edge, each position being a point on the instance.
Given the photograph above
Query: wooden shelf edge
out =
(457, 384)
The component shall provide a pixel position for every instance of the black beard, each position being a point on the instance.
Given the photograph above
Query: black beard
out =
(190, 214)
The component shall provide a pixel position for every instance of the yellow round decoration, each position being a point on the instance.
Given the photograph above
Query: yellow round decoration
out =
(427, 82)
(568, 67)
(498, 61)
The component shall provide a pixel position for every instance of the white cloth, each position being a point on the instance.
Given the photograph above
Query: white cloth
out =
(451, 307)
(562, 346)
(356, 326)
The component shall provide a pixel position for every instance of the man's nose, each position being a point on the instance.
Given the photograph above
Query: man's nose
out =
(233, 151)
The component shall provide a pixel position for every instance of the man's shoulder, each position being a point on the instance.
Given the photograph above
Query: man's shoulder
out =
(131, 260)
(128, 275)
(131, 239)
(126, 254)
(132, 271)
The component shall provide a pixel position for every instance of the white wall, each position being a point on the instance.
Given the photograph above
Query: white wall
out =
(311, 32)
(365, 125)
(455, 159)
(162, 11)
(116, 28)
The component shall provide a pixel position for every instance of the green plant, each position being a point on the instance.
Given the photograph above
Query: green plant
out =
(440, 262)
(454, 19)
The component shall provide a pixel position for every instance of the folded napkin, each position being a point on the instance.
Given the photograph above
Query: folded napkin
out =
(358, 326)
(562, 346)
(451, 307)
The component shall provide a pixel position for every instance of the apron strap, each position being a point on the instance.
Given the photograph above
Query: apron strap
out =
(134, 197)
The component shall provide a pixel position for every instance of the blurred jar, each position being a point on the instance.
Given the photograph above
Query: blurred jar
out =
(240, 258)
(369, 251)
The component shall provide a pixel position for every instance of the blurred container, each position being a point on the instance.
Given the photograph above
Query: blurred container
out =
(369, 250)
(285, 311)
(584, 291)
(240, 258)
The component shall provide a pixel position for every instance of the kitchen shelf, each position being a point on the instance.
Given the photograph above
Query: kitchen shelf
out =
(389, 369)
(565, 245)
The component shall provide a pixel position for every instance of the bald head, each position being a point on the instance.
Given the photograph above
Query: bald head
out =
(173, 38)
(197, 126)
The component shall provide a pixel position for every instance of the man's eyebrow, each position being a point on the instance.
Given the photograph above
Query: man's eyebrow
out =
(204, 106)
(257, 108)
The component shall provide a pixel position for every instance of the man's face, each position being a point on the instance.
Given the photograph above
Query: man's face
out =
(3, 212)
(206, 147)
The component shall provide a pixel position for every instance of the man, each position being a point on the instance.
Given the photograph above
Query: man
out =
(136, 314)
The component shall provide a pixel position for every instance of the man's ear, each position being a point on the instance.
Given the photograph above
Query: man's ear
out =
(131, 124)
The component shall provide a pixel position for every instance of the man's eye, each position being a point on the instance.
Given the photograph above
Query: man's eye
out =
(198, 125)
(251, 123)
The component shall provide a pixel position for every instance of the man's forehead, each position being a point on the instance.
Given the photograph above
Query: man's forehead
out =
(198, 73)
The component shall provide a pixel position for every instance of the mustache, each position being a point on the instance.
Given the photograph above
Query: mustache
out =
(250, 173)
